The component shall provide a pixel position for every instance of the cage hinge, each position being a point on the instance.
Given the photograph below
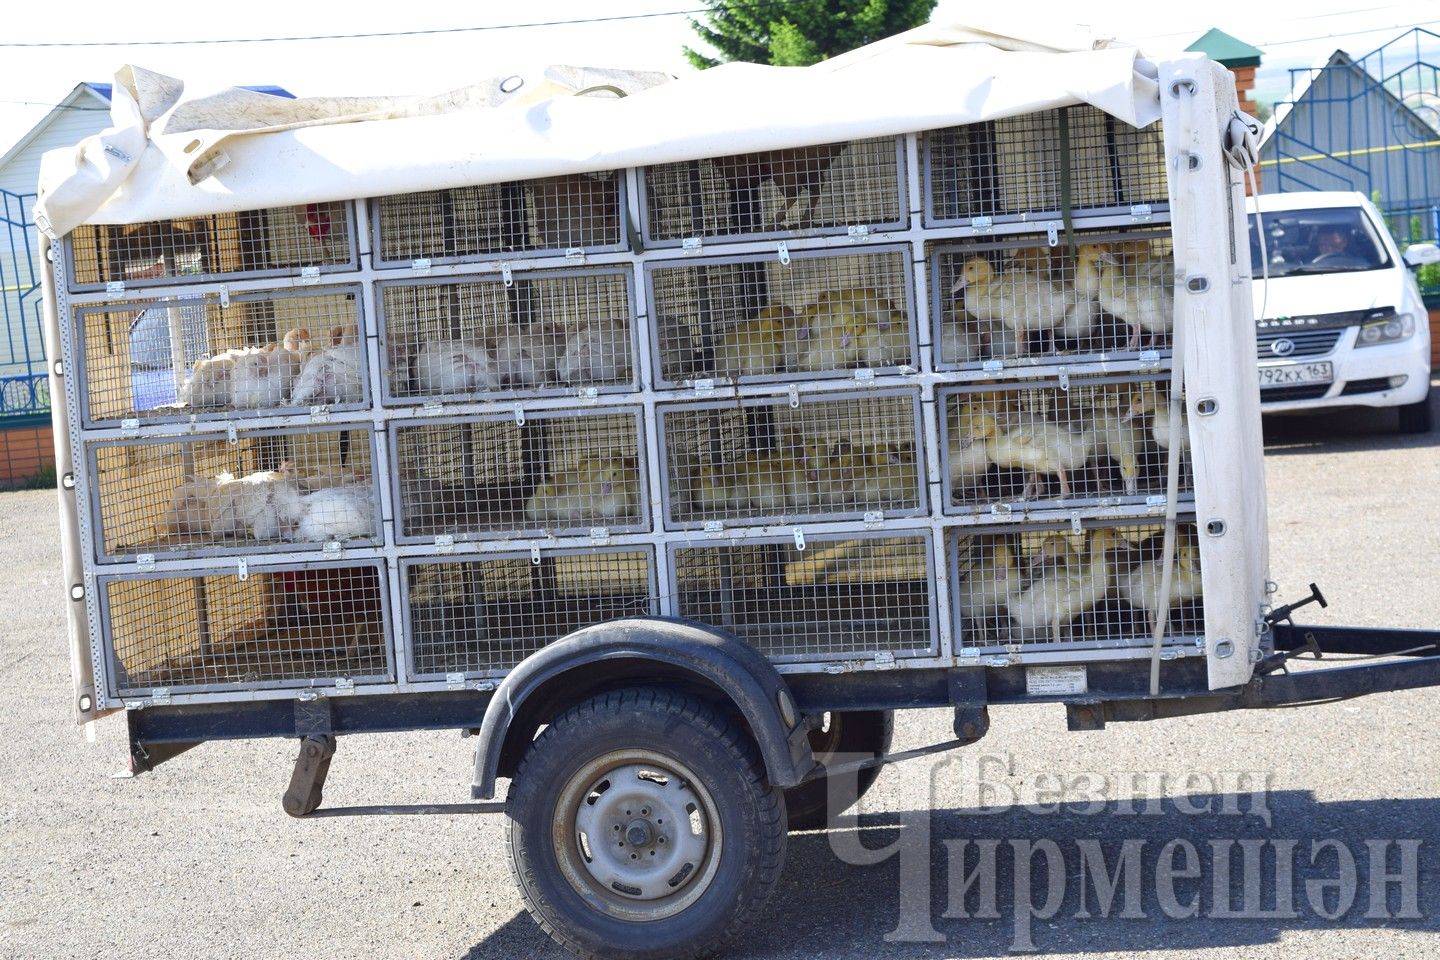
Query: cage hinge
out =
(242, 569)
(1141, 212)
(159, 696)
(309, 275)
(874, 519)
(344, 685)
(445, 543)
(982, 223)
(115, 288)
(232, 433)
(884, 660)
(535, 554)
(420, 265)
(432, 408)
(130, 426)
(224, 296)
(1149, 359)
(692, 244)
(782, 250)
(993, 366)
(865, 375)
(331, 549)
(1052, 233)
(575, 255)
(1064, 375)
(519, 415)
(454, 681)
(703, 386)
(1156, 500)
(145, 561)
(794, 391)
(858, 231)
(715, 528)
(506, 274)
(320, 414)
(799, 539)
(590, 395)
(599, 536)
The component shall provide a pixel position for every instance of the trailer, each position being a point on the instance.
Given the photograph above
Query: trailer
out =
(672, 440)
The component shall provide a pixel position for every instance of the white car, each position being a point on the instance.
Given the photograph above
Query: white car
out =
(1341, 322)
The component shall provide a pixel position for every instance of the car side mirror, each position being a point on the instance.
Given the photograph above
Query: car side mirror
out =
(1421, 254)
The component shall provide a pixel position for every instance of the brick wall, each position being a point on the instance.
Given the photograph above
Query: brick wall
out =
(24, 452)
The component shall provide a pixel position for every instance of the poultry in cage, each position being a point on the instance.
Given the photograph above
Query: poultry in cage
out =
(888, 476)
(845, 328)
(1141, 584)
(597, 351)
(989, 576)
(764, 482)
(1120, 434)
(1043, 447)
(1019, 300)
(1063, 593)
(606, 488)
(264, 505)
(334, 373)
(1131, 282)
(454, 366)
(973, 423)
(796, 172)
(766, 343)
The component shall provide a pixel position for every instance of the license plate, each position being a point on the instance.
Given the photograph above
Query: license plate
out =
(1287, 374)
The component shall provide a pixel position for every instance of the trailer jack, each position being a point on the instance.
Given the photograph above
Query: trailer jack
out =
(307, 783)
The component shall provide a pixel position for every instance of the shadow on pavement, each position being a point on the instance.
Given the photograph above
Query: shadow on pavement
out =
(1349, 430)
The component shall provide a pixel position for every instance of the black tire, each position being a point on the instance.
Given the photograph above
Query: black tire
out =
(1417, 417)
(854, 732)
(709, 767)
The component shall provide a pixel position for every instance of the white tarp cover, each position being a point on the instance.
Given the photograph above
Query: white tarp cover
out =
(164, 157)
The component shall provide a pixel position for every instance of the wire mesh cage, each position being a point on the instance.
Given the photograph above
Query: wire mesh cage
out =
(797, 191)
(222, 246)
(512, 475)
(1089, 441)
(544, 332)
(773, 460)
(210, 357)
(1015, 169)
(274, 627)
(266, 491)
(554, 215)
(485, 616)
(1057, 587)
(1020, 301)
(760, 317)
(840, 597)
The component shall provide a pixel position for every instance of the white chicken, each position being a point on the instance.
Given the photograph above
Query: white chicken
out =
(526, 356)
(336, 513)
(597, 351)
(263, 378)
(333, 374)
(1042, 610)
(454, 366)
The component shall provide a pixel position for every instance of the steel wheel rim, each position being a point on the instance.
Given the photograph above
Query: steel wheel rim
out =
(636, 835)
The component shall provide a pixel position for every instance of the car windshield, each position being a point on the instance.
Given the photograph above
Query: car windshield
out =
(1323, 240)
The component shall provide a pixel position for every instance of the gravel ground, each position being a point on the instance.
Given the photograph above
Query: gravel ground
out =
(196, 860)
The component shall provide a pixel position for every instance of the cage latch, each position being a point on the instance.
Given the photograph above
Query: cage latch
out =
(575, 255)
(599, 536)
(590, 395)
(858, 232)
(983, 224)
(1052, 233)
(864, 375)
(445, 543)
(884, 660)
(309, 275)
(535, 554)
(692, 244)
(159, 696)
(1140, 212)
(319, 414)
(506, 274)
(993, 366)
(799, 539)
(224, 296)
(454, 681)
(1150, 358)
(715, 528)
(794, 392)
(1075, 527)
(1156, 500)
(703, 386)
(519, 415)
(242, 569)
(782, 250)
(432, 408)
(115, 288)
(331, 549)
(130, 426)
(145, 561)
(344, 685)
(874, 519)
(1064, 375)
(232, 435)
(420, 265)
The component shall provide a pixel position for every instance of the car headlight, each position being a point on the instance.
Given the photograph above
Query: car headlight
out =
(1389, 330)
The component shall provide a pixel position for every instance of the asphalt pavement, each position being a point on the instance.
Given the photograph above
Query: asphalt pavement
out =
(197, 860)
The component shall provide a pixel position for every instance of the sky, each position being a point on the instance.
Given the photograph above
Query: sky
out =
(34, 78)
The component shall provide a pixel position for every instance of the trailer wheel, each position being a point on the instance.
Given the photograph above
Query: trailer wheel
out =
(856, 731)
(640, 824)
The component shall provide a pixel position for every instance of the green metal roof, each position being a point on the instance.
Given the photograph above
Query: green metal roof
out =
(1220, 46)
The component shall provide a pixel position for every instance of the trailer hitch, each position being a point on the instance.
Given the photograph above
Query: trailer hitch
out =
(1310, 648)
(1286, 614)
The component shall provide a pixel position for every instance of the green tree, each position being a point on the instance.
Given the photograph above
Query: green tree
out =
(797, 33)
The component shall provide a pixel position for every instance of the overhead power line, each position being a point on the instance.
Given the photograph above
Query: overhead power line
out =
(354, 36)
